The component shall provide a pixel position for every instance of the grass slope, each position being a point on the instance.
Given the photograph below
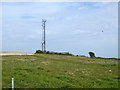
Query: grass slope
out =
(44, 71)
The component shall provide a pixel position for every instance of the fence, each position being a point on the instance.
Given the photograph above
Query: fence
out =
(21, 81)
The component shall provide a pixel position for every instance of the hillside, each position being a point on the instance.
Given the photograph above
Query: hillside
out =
(48, 71)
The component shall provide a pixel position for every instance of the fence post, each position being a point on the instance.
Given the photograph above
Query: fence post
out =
(12, 83)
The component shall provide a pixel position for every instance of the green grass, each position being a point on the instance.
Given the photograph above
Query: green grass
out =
(46, 71)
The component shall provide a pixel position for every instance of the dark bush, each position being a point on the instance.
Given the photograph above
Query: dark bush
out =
(59, 53)
(48, 52)
(39, 51)
(55, 53)
(91, 54)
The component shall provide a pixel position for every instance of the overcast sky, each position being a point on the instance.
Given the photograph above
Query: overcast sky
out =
(75, 27)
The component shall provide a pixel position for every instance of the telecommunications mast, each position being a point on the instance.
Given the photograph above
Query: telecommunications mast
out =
(43, 35)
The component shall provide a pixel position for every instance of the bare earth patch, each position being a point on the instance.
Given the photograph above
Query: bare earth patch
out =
(45, 63)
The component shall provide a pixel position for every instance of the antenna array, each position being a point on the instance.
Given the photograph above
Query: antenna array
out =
(43, 35)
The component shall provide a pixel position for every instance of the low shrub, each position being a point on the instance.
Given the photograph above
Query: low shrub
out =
(92, 55)
(47, 52)
(39, 51)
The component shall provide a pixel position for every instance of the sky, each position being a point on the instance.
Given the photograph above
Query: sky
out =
(75, 27)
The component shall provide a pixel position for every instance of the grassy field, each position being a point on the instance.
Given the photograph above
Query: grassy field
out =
(47, 71)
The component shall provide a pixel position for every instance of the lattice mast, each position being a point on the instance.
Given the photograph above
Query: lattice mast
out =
(43, 35)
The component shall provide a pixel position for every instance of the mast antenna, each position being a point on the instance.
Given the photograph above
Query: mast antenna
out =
(43, 35)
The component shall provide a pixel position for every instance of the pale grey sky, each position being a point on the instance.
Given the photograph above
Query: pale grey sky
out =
(71, 26)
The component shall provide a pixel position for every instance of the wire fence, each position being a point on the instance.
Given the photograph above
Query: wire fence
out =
(26, 82)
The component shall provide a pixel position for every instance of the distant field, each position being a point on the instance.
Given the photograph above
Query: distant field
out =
(15, 53)
(46, 71)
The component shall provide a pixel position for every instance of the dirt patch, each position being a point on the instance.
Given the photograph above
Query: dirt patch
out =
(45, 63)
(70, 73)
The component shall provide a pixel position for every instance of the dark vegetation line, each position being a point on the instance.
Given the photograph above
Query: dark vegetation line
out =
(49, 52)
(91, 54)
